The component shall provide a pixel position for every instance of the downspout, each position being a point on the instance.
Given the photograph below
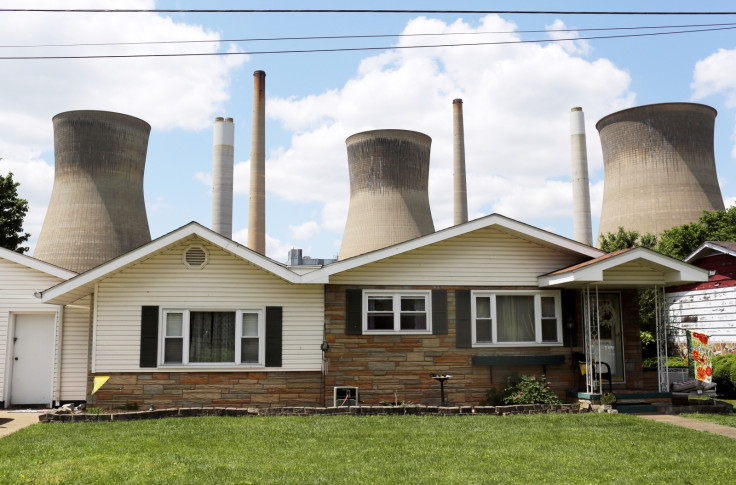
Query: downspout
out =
(59, 342)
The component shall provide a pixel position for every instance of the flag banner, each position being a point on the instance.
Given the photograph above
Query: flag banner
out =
(98, 382)
(699, 356)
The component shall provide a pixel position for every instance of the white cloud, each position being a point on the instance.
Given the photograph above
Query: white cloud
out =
(517, 100)
(714, 75)
(304, 231)
(729, 201)
(275, 249)
(558, 30)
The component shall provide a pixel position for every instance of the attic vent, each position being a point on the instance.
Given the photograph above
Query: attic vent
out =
(195, 257)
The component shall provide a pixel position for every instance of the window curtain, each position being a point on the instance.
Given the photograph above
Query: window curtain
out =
(212, 337)
(515, 318)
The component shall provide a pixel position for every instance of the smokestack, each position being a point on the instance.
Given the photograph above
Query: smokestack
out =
(97, 211)
(257, 208)
(580, 182)
(222, 176)
(389, 202)
(460, 187)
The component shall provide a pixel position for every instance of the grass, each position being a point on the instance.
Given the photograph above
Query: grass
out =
(724, 419)
(589, 448)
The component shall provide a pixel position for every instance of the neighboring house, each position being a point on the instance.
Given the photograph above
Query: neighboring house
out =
(32, 339)
(708, 307)
(193, 318)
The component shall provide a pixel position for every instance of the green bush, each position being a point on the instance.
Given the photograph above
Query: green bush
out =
(529, 390)
(724, 375)
(671, 362)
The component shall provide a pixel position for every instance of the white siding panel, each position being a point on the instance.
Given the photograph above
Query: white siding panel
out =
(633, 272)
(74, 351)
(711, 311)
(486, 257)
(226, 283)
(17, 285)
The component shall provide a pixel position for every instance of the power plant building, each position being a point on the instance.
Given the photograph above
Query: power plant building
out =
(97, 211)
(389, 200)
(223, 153)
(659, 167)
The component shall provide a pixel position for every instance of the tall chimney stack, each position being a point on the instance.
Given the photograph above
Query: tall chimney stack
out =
(257, 208)
(222, 176)
(580, 182)
(460, 187)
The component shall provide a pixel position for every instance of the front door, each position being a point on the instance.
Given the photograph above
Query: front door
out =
(33, 360)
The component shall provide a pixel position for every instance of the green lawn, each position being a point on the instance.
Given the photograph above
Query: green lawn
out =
(724, 419)
(588, 448)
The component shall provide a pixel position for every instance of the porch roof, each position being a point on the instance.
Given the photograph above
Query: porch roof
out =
(628, 268)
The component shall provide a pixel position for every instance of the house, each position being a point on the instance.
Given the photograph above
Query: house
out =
(708, 307)
(193, 318)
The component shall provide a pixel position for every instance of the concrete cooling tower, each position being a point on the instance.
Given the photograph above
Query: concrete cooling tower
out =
(660, 168)
(97, 211)
(389, 202)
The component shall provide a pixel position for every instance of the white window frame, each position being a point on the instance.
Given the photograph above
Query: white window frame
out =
(261, 312)
(397, 294)
(537, 317)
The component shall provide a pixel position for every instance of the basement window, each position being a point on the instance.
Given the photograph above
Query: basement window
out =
(389, 312)
(195, 257)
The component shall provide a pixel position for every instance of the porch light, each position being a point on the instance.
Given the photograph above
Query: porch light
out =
(325, 346)
(569, 323)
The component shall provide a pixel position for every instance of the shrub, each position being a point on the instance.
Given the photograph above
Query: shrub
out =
(723, 374)
(529, 390)
(94, 411)
(671, 362)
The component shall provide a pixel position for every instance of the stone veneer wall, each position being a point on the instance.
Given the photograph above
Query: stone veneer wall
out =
(230, 389)
(398, 367)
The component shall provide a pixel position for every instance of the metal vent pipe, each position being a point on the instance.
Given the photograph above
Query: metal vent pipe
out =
(223, 153)
(97, 211)
(389, 202)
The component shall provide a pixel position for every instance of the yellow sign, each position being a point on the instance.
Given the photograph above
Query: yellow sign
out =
(99, 381)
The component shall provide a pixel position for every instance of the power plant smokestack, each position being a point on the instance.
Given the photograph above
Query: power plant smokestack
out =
(660, 168)
(257, 207)
(222, 176)
(460, 205)
(97, 211)
(389, 202)
(580, 182)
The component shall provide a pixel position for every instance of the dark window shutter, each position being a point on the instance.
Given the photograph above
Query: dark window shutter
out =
(439, 312)
(273, 336)
(463, 332)
(353, 312)
(569, 314)
(149, 336)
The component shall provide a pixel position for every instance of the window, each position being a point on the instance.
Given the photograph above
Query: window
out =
(406, 311)
(516, 318)
(213, 337)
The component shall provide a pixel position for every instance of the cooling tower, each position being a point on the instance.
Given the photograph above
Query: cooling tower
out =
(257, 206)
(460, 191)
(660, 169)
(97, 211)
(222, 176)
(580, 182)
(389, 174)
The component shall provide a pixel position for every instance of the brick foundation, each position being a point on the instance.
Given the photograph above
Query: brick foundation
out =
(228, 389)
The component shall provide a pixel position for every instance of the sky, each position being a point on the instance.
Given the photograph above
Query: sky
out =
(516, 99)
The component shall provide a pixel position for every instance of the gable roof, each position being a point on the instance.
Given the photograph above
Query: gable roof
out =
(36, 264)
(518, 229)
(709, 248)
(663, 270)
(83, 284)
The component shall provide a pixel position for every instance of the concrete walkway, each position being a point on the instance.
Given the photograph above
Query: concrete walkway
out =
(692, 424)
(11, 422)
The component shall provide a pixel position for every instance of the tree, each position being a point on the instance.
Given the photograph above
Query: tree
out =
(624, 239)
(679, 241)
(12, 212)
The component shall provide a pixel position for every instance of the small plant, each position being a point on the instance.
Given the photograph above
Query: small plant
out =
(671, 362)
(94, 411)
(522, 390)
(608, 398)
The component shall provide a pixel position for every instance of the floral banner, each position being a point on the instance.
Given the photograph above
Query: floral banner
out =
(699, 356)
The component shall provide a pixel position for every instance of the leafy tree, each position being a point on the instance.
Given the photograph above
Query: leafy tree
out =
(12, 212)
(680, 241)
(624, 239)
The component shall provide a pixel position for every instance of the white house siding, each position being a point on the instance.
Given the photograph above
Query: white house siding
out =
(633, 273)
(225, 283)
(711, 311)
(486, 257)
(17, 285)
(75, 351)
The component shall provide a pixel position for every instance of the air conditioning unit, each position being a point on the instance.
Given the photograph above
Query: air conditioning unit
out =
(345, 396)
